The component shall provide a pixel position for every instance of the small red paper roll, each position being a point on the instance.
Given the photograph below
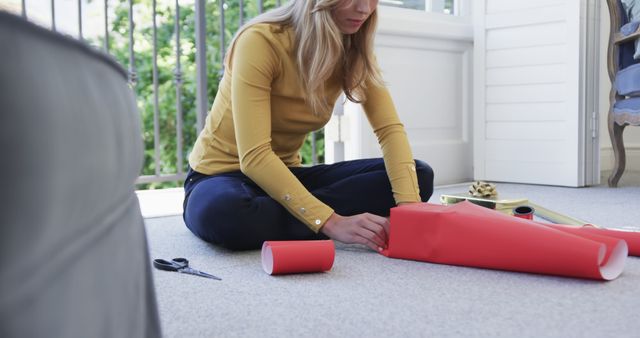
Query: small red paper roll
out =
(284, 257)
(523, 211)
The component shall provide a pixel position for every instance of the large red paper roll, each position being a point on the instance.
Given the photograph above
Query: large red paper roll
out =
(283, 257)
(469, 235)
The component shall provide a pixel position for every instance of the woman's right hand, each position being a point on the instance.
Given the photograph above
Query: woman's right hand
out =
(368, 229)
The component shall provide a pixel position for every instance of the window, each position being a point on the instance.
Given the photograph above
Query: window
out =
(437, 6)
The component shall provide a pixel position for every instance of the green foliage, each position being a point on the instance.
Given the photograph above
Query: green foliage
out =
(306, 151)
(166, 68)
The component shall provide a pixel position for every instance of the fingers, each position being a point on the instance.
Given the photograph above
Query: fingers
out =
(372, 239)
(375, 233)
(381, 221)
(366, 237)
(372, 231)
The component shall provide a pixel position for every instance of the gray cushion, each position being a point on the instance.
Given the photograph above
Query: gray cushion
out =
(74, 254)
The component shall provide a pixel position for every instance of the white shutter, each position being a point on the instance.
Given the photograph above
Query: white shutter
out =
(531, 101)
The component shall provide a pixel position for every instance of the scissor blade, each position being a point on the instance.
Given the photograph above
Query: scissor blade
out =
(199, 273)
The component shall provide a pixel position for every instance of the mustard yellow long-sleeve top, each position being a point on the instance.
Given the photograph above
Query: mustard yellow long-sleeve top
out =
(259, 121)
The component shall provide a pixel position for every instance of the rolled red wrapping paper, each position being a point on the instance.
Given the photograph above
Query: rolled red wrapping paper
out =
(469, 235)
(283, 257)
(631, 237)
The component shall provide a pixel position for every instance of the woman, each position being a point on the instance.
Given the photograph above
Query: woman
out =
(284, 71)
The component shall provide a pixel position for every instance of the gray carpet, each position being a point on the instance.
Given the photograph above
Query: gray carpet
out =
(366, 294)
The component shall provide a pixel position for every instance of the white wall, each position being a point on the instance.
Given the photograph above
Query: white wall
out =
(426, 60)
(631, 134)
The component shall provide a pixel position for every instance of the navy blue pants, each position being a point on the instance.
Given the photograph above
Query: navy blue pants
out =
(230, 210)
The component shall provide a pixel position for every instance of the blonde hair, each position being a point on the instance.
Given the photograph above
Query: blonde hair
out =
(321, 47)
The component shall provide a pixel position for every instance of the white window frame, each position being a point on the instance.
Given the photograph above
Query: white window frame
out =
(411, 22)
(460, 7)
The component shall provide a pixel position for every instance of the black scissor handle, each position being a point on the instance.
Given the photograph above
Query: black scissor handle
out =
(162, 264)
(181, 261)
(181, 265)
(174, 265)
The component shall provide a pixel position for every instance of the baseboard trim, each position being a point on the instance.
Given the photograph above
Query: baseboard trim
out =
(633, 158)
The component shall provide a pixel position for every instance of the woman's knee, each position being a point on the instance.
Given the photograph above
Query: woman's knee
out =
(425, 179)
(212, 212)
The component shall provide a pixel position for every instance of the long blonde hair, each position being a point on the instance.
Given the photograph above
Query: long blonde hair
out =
(321, 47)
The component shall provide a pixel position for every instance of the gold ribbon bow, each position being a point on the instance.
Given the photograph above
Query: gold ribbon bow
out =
(483, 189)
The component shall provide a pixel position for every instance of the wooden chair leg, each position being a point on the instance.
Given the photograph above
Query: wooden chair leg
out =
(615, 132)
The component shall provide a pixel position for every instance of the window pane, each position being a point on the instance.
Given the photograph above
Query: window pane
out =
(412, 4)
(448, 7)
(437, 6)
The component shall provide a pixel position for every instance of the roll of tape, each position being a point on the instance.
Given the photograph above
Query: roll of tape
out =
(524, 211)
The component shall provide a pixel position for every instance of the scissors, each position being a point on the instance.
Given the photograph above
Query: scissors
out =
(180, 265)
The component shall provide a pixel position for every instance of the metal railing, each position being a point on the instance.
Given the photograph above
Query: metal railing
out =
(201, 57)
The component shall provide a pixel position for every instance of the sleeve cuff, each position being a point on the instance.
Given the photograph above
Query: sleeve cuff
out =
(308, 209)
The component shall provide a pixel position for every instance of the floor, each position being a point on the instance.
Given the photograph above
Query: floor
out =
(366, 294)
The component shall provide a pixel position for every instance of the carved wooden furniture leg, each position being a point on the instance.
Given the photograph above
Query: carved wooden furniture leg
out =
(615, 132)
